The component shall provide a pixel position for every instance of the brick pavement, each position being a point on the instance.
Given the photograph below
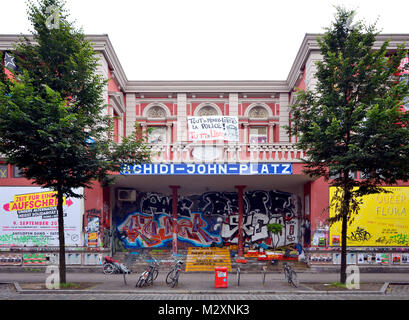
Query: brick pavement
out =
(202, 283)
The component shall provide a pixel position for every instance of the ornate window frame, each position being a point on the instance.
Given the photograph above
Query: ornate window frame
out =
(262, 122)
(255, 105)
(158, 122)
(153, 105)
(207, 104)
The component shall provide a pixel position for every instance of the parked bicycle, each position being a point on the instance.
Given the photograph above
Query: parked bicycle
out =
(290, 275)
(172, 279)
(149, 275)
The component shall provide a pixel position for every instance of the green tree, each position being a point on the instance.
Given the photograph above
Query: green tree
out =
(274, 228)
(52, 122)
(352, 120)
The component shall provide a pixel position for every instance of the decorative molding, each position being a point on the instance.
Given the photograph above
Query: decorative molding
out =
(116, 99)
(309, 44)
(207, 106)
(258, 107)
(156, 110)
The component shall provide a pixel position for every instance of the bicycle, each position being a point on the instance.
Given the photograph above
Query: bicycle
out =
(290, 275)
(149, 275)
(172, 279)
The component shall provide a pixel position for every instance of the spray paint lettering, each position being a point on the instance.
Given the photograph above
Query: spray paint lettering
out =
(148, 231)
(23, 239)
(209, 218)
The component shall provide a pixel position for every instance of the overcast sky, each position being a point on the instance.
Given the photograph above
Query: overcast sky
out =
(210, 39)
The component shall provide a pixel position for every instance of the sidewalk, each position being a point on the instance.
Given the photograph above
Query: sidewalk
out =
(197, 283)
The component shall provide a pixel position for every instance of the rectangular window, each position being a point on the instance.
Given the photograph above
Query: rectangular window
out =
(258, 135)
(4, 171)
(157, 135)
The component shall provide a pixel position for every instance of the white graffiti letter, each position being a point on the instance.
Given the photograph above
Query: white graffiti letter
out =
(53, 280)
(353, 278)
(53, 20)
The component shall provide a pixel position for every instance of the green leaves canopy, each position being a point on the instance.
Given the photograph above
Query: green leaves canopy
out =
(352, 120)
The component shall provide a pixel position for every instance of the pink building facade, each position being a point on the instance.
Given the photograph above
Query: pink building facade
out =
(194, 192)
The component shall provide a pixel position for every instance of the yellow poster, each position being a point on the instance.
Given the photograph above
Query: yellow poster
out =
(383, 220)
(206, 259)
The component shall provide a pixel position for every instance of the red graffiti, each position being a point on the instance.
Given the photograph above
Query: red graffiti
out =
(155, 232)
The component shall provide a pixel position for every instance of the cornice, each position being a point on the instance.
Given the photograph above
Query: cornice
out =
(207, 86)
(102, 43)
(310, 44)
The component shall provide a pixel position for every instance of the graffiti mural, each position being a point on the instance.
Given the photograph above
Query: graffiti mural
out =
(208, 219)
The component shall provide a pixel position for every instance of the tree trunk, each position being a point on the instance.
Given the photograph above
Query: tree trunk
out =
(345, 210)
(343, 274)
(61, 235)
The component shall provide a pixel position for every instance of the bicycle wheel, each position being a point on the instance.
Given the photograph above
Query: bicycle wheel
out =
(170, 276)
(149, 279)
(293, 279)
(175, 280)
(155, 274)
(108, 268)
(141, 282)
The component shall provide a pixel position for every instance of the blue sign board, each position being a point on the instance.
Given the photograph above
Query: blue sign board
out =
(208, 169)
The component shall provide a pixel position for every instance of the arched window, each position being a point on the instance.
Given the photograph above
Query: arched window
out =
(207, 109)
(258, 115)
(157, 132)
(156, 112)
(258, 112)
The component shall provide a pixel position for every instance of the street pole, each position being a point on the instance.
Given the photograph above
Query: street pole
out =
(174, 219)
(240, 231)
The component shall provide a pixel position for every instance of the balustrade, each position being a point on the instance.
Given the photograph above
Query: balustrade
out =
(221, 153)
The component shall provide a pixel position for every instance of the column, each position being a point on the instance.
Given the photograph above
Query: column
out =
(246, 133)
(174, 219)
(102, 70)
(169, 141)
(181, 118)
(130, 113)
(233, 104)
(240, 230)
(311, 70)
(271, 133)
(284, 118)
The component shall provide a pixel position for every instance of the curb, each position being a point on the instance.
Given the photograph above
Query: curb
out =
(304, 292)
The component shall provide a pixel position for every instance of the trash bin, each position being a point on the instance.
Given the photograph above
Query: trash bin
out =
(220, 280)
